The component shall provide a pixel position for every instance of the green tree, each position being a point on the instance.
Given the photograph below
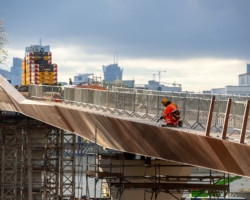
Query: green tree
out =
(3, 41)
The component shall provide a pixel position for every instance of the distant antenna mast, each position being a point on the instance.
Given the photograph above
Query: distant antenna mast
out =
(117, 58)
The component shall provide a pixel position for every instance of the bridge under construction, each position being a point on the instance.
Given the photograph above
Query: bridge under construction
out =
(39, 147)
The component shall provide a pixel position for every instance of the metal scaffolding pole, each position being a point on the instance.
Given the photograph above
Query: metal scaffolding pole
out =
(9, 163)
(67, 168)
(22, 163)
(51, 164)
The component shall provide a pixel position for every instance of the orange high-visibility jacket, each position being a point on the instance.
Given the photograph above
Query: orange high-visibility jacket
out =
(167, 113)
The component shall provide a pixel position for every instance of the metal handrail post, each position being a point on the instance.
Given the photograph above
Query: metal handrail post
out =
(158, 105)
(124, 96)
(184, 108)
(81, 92)
(116, 100)
(108, 99)
(87, 96)
(184, 112)
(147, 106)
(134, 102)
(198, 111)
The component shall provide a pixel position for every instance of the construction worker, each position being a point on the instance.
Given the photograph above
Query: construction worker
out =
(171, 115)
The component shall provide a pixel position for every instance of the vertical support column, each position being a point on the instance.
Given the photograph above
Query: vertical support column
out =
(224, 132)
(96, 157)
(244, 124)
(51, 164)
(2, 161)
(22, 162)
(9, 165)
(67, 168)
(29, 157)
(210, 116)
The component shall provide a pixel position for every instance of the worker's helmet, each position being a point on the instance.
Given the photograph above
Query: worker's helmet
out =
(164, 101)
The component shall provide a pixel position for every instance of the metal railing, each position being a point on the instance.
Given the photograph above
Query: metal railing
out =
(194, 109)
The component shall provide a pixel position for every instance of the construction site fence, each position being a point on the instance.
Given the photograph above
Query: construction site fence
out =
(194, 109)
(183, 94)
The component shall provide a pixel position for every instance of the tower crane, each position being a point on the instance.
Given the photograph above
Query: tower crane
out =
(159, 74)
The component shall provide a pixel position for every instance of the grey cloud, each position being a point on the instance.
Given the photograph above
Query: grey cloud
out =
(144, 28)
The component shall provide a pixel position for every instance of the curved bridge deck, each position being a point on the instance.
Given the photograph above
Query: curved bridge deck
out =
(133, 135)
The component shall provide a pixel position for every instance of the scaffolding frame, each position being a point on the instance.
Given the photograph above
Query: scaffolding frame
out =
(33, 158)
(154, 184)
(67, 167)
(51, 164)
(9, 163)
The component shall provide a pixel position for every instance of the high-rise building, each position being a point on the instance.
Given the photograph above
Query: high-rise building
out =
(112, 72)
(37, 67)
(16, 72)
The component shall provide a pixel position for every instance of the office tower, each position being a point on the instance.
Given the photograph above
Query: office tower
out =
(16, 72)
(112, 72)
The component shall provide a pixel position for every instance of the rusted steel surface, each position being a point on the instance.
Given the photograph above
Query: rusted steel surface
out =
(131, 136)
(210, 116)
(224, 132)
(244, 124)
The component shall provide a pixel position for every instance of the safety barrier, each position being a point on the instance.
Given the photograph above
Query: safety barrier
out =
(194, 109)
(183, 94)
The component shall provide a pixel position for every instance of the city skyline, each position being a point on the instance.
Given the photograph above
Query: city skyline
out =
(201, 45)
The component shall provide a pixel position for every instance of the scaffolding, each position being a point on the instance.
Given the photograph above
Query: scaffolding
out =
(9, 163)
(51, 164)
(67, 175)
(37, 160)
(120, 172)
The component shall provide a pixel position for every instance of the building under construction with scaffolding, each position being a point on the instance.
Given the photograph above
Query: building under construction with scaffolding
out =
(42, 153)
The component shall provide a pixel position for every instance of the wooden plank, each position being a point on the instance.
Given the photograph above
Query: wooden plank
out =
(224, 132)
(244, 124)
(210, 116)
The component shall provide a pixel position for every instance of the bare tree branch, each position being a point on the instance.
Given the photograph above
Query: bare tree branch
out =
(3, 41)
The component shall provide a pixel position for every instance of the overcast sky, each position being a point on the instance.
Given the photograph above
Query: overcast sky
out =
(201, 44)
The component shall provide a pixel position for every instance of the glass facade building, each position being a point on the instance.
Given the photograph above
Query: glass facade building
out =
(16, 72)
(112, 72)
